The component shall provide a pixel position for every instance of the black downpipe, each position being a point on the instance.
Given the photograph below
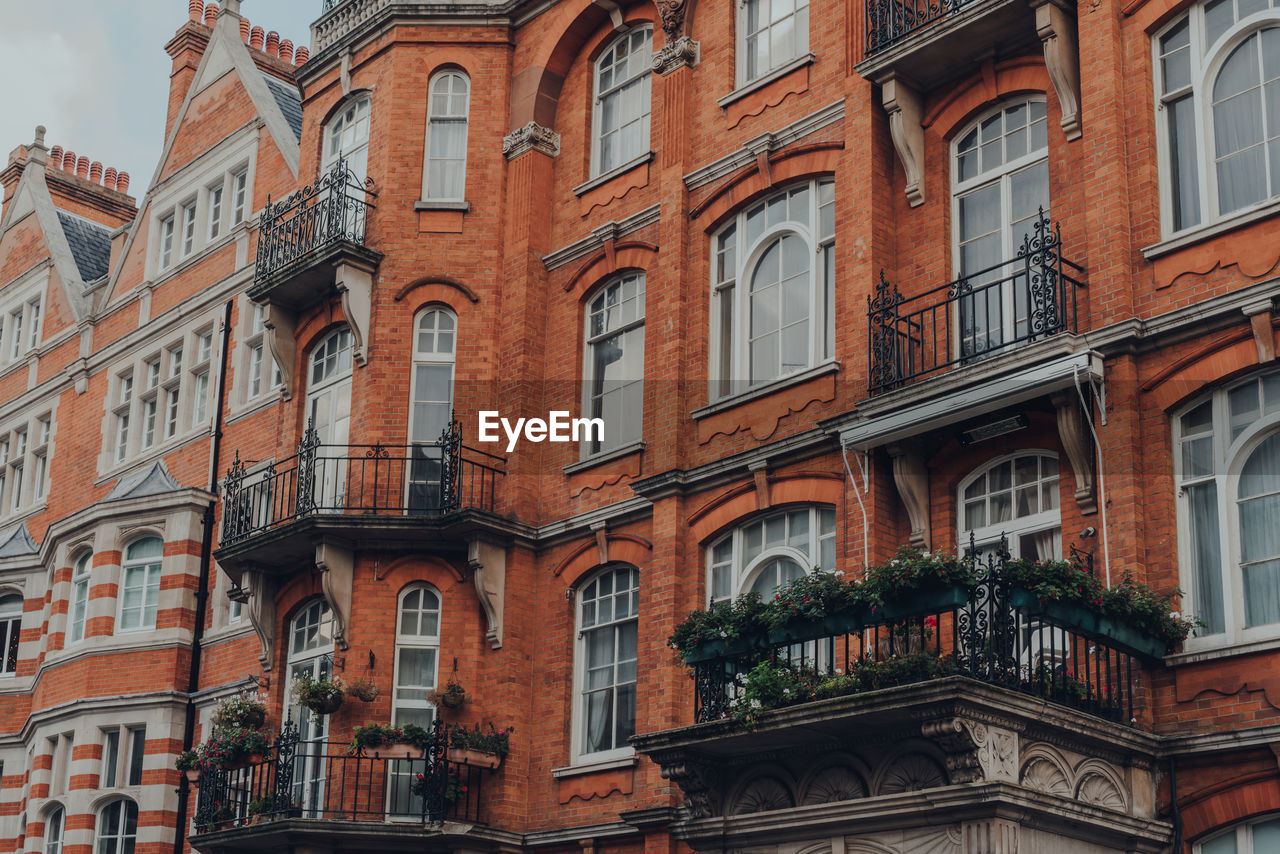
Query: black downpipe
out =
(202, 592)
(1173, 803)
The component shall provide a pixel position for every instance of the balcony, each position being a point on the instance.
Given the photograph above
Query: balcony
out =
(380, 496)
(960, 710)
(987, 314)
(318, 794)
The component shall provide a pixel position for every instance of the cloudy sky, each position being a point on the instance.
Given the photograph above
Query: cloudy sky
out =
(94, 72)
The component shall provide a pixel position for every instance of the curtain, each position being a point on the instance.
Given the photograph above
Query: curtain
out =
(1260, 533)
(1048, 544)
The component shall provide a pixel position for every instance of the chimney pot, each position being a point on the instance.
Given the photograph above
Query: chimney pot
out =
(69, 161)
(55, 156)
(109, 178)
(244, 30)
(210, 14)
(82, 168)
(303, 54)
(286, 51)
(195, 8)
(95, 172)
(273, 43)
(122, 182)
(255, 38)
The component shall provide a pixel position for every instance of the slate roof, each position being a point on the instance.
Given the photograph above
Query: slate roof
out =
(288, 101)
(155, 480)
(90, 245)
(17, 542)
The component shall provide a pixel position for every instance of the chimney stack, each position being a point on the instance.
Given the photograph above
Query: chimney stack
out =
(210, 15)
(286, 51)
(303, 54)
(195, 9)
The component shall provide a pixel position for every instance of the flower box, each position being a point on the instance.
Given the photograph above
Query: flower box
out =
(475, 758)
(832, 625)
(244, 760)
(1123, 637)
(399, 750)
(921, 603)
(193, 775)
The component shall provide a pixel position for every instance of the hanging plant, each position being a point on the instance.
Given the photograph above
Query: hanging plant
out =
(241, 712)
(453, 695)
(362, 689)
(322, 696)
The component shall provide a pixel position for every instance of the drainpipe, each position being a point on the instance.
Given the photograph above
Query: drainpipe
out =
(206, 569)
(1173, 802)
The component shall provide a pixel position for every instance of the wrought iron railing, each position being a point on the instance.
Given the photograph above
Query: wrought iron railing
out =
(890, 21)
(980, 315)
(334, 208)
(420, 479)
(323, 780)
(990, 632)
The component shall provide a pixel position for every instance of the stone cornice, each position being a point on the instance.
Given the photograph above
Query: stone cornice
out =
(765, 142)
(600, 236)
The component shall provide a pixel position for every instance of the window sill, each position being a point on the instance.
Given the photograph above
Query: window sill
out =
(594, 767)
(1204, 232)
(432, 205)
(760, 82)
(599, 180)
(1220, 652)
(769, 388)
(608, 456)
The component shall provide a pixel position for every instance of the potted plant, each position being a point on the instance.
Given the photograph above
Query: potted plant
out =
(189, 764)
(362, 689)
(448, 787)
(233, 748)
(916, 583)
(453, 695)
(219, 814)
(392, 742)
(241, 712)
(322, 696)
(478, 748)
(260, 809)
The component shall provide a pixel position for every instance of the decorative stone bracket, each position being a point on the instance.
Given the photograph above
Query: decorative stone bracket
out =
(488, 564)
(1078, 444)
(531, 137)
(902, 103)
(337, 569)
(675, 54)
(912, 479)
(355, 286)
(1056, 27)
(975, 750)
(258, 594)
(695, 778)
(281, 326)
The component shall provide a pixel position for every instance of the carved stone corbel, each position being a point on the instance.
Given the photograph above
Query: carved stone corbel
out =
(1259, 314)
(1056, 27)
(1079, 447)
(488, 564)
(975, 750)
(912, 479)
(902, 103)
(337, 571)
(531, 137)
(677, 53)
(695, 779)
(281, 325)
(259, 592)
(760, 472)
(355, 285)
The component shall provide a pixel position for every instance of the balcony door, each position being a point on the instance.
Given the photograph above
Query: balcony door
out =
(310, 654)
(347, 138)
(1001, 182)
(329, 413)
(430, 407)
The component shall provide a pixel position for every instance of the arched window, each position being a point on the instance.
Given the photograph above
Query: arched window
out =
(10, 632)
(53, 826)
(614, 387)
(430, 405)
(329, 413)
(1255, 837)
(416, 666)
(117, 828)
(311, 655)
(448, 104)
(608, 607)
(140, 587)
(1219, 119)
(1000, 183)
(769, 551)
(771, 34)
(1228, 474)
(80, 575)
(1014, 497)
(780, 318)
(346, 137)
(622, 101)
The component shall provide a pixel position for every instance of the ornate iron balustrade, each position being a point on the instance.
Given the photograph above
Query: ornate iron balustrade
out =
(891, 21)
(989, 632)
(421, 479)
(333, 209)
(322, 780)
(985, 313)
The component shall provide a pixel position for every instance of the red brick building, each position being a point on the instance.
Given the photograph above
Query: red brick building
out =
(836, 278)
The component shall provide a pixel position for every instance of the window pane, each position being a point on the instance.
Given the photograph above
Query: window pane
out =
(1202, 501)
(1184, 163)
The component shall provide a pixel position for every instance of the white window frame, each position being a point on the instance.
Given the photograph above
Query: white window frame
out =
(55, 821)
(119, 836)
(733, 264)
(167, 232)
(580, 756)
(413, 640)
(78, 601)
(1243, 833)
(216, 209)
(1229, 457)
(351, 124)
(240, 200)
(258, 366)
(644, 78)
(216, 194)
(1015, 527)
(442, 353)
(11, 613)
(26, 455)
(188, 210)
(1205, 63)
(802, 33)
(152, 569)
(435, 119)
(727, 553)
(631, 430)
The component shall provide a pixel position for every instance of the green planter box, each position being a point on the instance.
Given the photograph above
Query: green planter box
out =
(921, 603)
(831, 625)
(1119, 635)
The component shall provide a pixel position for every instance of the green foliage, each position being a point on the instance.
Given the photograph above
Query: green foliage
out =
(371, 736)
(319, 695)
(495, 741)
(911, 571)
(812, 596)
(187, 761)
(747, 616)
(240, 711)
(261, 806)
(229, 745)
(449, 786)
